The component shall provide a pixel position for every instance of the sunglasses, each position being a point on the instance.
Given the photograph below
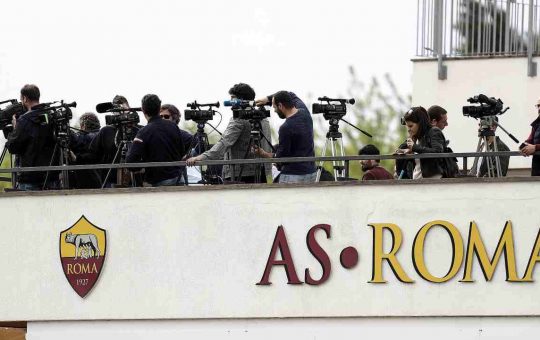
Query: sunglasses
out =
(165, 116)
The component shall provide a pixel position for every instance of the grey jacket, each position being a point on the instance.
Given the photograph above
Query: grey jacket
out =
(233, 145)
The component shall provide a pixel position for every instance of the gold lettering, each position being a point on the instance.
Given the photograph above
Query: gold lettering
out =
(535, 257)
(379, 255)
(70, 268)
(94, 268)
(418, 251)
(77, 268)
(475, 245)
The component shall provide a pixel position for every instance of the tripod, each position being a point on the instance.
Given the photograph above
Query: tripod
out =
(208, 176)
(13, 179)
(62, 145)
(334, 140)
(254, 142)
(123, 140)
(485, 134)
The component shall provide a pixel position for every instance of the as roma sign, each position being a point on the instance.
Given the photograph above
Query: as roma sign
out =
(82, 253)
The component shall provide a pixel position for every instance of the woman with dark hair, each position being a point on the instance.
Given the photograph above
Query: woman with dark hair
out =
(423, 138)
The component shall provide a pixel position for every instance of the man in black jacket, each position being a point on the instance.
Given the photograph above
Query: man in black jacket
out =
(33, 142)
(158, 141)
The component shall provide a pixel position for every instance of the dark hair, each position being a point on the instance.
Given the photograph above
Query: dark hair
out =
(90, 121)
(284, 98)
(419, 116)
(31, 92)
(436, 112)
(369, 149)
(119, 100)
(173, 110)
(242, 91)
(151, 104)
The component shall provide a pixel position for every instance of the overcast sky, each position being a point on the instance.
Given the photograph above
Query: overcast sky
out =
(89, 51)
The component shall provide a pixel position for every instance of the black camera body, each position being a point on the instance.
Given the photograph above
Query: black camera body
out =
(199, 116)
(333, 108)
(489, 106)
(250, 112)
(6, 115)
(122, 118)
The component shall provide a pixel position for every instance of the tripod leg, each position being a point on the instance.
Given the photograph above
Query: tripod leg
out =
(109, 171)
(50, 164)
(474, 168)
(497, 160)
(320, 166)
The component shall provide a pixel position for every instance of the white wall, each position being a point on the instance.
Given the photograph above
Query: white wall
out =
(504, 78)
(199, 253)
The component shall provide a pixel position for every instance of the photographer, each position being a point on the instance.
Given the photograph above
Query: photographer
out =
(33, 142)
(423, 138)
(532, 144)
(80, 152)
(171, 113)
(158, 141)
(235, 143)
(104, 146)
(295, 140)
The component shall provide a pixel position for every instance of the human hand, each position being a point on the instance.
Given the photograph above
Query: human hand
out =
(528, 149)
(14, 121)
(261, 101)
(410, 143)
(191, 161)
(72, 156)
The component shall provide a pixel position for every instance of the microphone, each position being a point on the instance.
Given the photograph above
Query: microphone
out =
(235, 102)
(104, 107)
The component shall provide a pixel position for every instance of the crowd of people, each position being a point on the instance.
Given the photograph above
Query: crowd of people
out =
(34, 144)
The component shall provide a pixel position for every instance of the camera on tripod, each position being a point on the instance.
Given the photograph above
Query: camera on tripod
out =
(333, 108)
(196, 114)
(489, 106)
(245, 109)
(123, 116)
(6, 115)
(56, 113)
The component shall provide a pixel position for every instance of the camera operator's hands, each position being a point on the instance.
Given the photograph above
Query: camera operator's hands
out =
(14, 121)
(259, 151)
(72, 156)
(191, 161)
(261, 101)
(528, 149)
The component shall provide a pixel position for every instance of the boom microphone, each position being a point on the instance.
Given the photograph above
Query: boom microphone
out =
(104, 107)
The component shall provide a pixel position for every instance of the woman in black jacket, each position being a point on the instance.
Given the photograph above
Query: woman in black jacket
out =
(423, 138)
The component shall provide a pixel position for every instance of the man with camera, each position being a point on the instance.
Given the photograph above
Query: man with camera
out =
(235, 144)
(295, 140)
(532, 144)
(104, 148)
(80, 152)
(158, 141)
(33, 142)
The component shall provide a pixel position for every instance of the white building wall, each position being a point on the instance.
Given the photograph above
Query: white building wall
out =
(504, 78)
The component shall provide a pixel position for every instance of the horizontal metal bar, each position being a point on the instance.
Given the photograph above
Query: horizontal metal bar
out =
(263, 161)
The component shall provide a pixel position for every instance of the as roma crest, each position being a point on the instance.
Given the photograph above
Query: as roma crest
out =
(82, 253)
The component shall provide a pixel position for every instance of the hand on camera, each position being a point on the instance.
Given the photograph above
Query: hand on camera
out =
(259, 151)
(410, 143)
(261, 101)
(72, 156)
(14, 121)
(528, 149)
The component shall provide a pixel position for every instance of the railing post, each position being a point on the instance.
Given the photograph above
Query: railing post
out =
(438, 37)
(531, 66)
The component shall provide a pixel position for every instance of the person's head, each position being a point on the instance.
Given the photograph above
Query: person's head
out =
(438, 117)
(30, 96)
(242, 91)
(369, 164)
(538, 106)
(89, 122)
(170, 112)
(417, 122)
(283, 104)
(121, 100)
(151, 104)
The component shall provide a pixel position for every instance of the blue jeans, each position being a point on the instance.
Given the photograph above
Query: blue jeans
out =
(167, 182)
(51, 185)
(309, 178)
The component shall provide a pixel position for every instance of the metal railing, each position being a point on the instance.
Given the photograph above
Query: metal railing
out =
(477, 28)
(346, 159)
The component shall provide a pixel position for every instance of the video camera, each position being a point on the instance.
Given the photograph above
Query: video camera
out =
(124, 115)
(489, 106)
(14, 108)
(245, 109)
(333, 108)
(57, 113)
(200, 116)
